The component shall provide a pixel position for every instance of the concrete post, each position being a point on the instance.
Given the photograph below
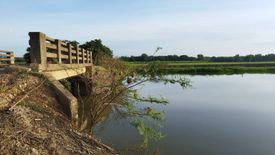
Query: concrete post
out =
(59, 56)
(77, 54)
(83, 57)
(11, 57)
(91, 55)
(87, 56)
(38, 51)
(70, 53)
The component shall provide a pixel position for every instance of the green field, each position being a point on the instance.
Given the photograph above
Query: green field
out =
(210, 68)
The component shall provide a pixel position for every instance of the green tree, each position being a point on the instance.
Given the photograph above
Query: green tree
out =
(27, 56)
(74, 42)
(200, 57)
(98, 49)
(144, 57)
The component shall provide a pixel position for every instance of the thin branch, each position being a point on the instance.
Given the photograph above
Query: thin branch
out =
(121, 92)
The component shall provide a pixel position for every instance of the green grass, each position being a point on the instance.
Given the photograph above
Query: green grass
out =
(211, 68)
(218, 70)
(191, 63)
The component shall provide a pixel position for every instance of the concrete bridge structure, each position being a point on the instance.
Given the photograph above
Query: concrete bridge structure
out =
(56, 60)
(59, 60)
(6, 57)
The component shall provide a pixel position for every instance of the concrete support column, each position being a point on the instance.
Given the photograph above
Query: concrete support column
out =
(38, 51)
(70, 53)
(83, 57)
(59, 55)
(79, 87)
(88, 56)
(10, 56)
(77, 54)
(91, 55)
(67, 100)
(75, 88)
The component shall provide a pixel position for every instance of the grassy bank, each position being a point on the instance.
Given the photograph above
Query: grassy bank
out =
(211, 68)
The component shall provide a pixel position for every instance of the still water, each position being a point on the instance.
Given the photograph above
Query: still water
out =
(218, 115)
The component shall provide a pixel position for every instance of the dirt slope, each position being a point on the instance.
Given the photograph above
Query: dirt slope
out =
(37, 125)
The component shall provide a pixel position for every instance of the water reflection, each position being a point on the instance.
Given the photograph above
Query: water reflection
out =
(221, 115)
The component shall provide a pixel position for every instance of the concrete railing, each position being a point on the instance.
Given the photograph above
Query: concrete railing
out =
(48, 54)
(6, 57)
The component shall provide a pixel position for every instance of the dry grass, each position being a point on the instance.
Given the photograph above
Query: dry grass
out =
(38, 125)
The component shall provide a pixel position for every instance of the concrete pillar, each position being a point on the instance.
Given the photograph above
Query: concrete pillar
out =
(79, 87)
(59, 54)
(38, 51)
(75, 88)
(70, 53)
(91, 55)
(10, 56)
(68, 101)
(83, 57)
(87, 57)
(77, 54)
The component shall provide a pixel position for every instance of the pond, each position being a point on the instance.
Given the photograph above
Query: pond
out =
(218, 115)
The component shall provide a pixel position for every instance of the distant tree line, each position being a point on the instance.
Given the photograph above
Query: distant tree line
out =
(200, 57)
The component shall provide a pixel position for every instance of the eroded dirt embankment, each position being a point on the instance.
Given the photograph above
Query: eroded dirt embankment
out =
(37, 125)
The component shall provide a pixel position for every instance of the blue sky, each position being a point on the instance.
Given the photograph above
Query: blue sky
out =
(133, 27)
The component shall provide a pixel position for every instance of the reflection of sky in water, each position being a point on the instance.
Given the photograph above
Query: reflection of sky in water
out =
(218, 115)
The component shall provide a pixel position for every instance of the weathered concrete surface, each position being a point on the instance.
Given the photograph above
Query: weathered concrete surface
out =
(66, 73)
(50, 54)
(65, 97)
(7, 56)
